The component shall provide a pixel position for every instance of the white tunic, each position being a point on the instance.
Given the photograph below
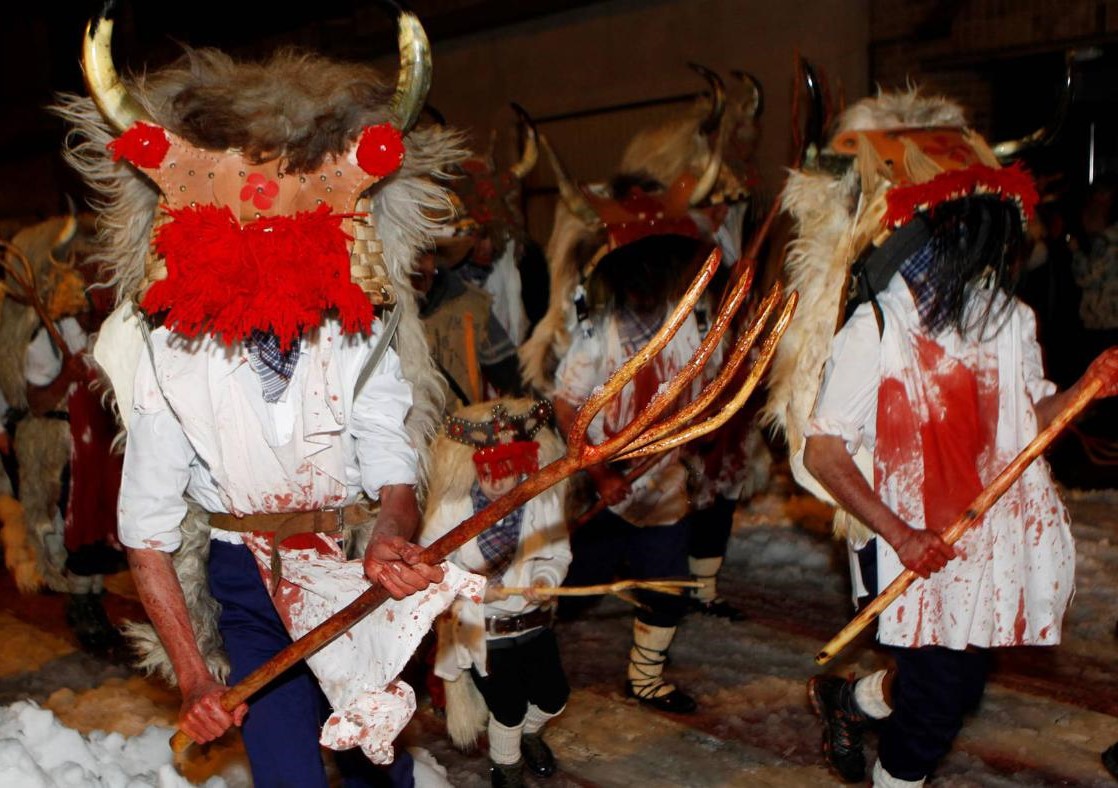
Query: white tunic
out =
(659, 497)
(231, 451)
(942, 416)
(199, 425)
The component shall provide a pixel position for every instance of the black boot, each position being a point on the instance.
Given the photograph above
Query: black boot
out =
(832, 697)
(505, 775)
(538, 757)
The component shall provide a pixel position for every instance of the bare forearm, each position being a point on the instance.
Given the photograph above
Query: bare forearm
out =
(829, 462)
(399, 511)
(161, 594)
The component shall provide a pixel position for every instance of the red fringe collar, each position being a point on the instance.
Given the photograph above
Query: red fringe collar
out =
(1010, 183)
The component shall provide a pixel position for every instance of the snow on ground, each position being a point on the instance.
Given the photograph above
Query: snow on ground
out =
(1046, 716)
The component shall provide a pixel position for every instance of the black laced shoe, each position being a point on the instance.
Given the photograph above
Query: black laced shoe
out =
(506, 775)
(832, 697)
(719, 608)
(1110, 760)
(538, 757)
(675, 702)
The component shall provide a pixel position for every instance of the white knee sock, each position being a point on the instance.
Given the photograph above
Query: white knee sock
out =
(504, 742)
(869, 694)
(536, 718)
(706, 571)
(646, 659)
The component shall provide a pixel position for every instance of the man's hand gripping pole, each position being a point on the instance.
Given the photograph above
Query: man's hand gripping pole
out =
(968, 519)
(668, 432)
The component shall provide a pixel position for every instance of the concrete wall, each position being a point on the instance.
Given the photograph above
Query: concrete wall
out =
(627, 51)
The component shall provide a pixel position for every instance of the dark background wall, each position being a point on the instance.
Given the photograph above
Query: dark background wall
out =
(558, 58)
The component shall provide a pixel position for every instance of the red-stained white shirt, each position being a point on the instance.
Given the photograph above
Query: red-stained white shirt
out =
(201, 428)
(942, 416)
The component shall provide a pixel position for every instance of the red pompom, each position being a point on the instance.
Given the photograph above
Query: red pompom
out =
(278, 274)
(381, 150)
(142, 144)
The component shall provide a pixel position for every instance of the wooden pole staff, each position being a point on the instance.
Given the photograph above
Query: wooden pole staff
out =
(966, 520)
(674, 587)
(580, 454)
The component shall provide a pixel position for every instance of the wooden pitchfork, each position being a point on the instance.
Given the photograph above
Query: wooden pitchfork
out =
(741, 280)
(580, 454)
(23, 275)
(967, 520)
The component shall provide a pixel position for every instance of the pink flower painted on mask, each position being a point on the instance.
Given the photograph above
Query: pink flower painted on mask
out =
(260, 190)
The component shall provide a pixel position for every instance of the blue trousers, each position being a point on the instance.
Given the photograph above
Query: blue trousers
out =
(609, 543)
(281, 729)
(935, 688)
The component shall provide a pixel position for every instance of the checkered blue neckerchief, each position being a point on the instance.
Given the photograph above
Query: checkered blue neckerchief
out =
(917, 273)
(498, 542)
(272, 365)
(635, 332)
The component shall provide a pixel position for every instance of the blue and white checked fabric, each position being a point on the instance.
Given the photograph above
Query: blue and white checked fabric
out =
(497, 542)
(272, 365)
(635, 332)
(917, 270)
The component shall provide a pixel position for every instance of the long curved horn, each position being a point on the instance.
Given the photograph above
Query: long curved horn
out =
(1011, 149)
(531, 153)
(117, 105)
(758, 92)
(813, 127)
(414, 79)
(569, 192)
(709, 178)
(717, 98)
(711, 125)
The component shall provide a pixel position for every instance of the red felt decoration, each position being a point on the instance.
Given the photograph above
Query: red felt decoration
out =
(381, 150)
(278, 274)
(1009, 183)
(142, 144)
(494, 463)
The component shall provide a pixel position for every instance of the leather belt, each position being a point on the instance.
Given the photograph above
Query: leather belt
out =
(285, 525)
(512, 625)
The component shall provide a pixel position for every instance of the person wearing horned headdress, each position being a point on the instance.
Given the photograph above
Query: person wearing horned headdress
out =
(269, 363)
(932, 385)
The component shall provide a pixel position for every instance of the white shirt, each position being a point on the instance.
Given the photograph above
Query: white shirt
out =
(42, 361)
(1016, 575)
(659, 497)
(201, 427)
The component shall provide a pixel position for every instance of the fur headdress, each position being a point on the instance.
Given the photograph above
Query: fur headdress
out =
(891, 158)
(292, 115)
(453, 471)
(592, 222)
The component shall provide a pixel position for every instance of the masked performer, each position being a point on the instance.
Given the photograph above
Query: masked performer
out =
(264, 218)
(932, 386)
(506, 642)
(61, 537)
